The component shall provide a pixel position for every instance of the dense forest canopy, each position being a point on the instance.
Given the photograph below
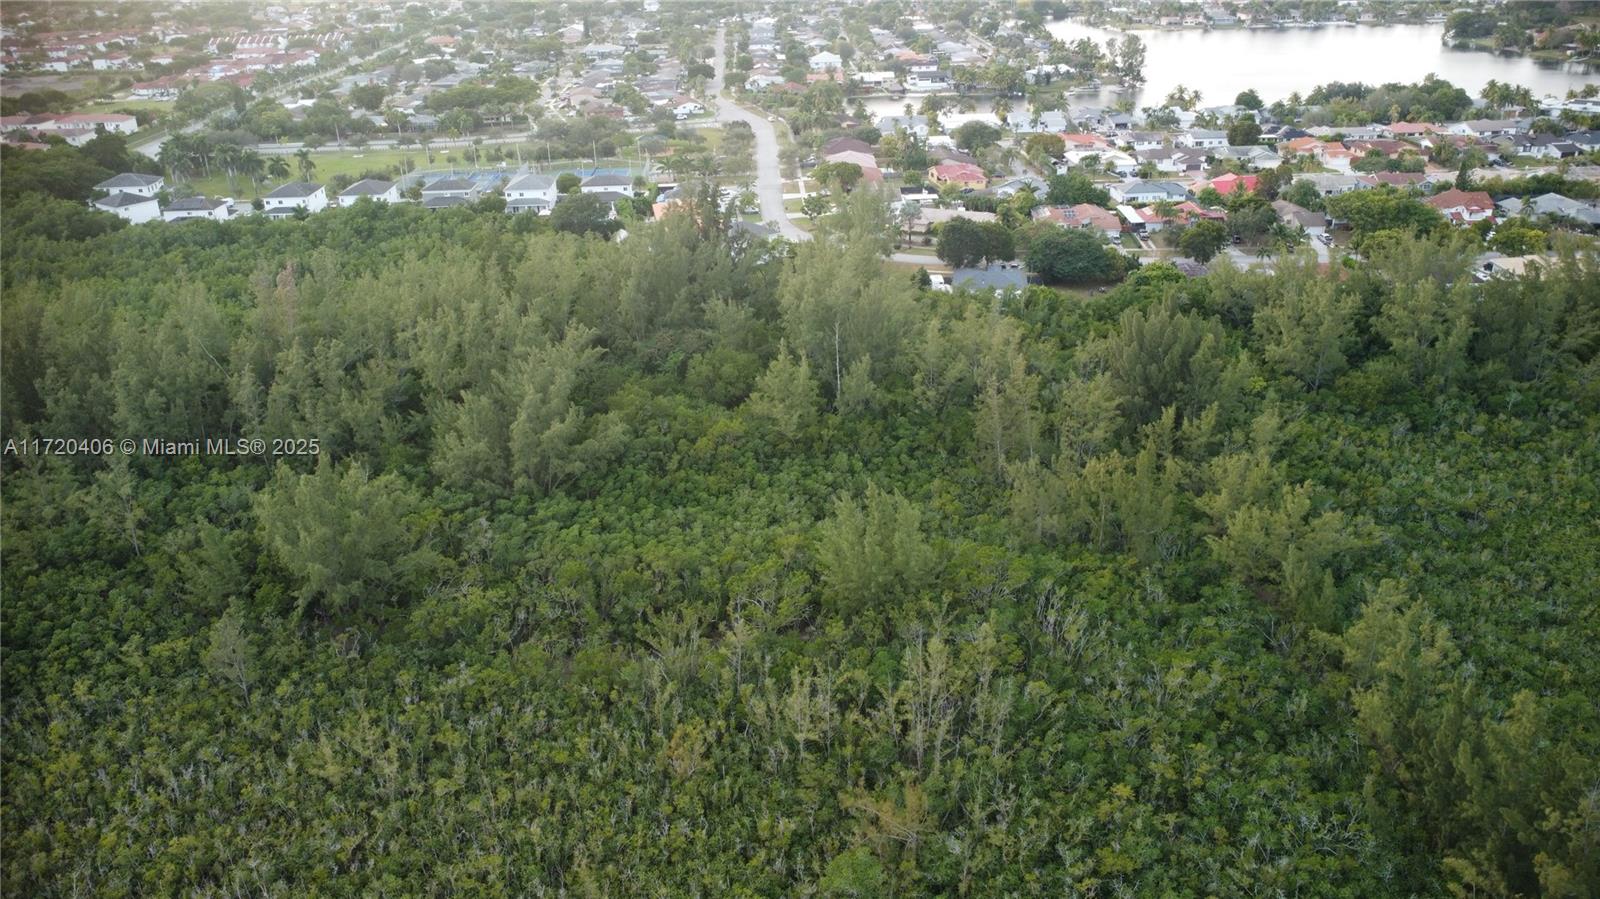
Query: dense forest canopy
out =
(697, 566)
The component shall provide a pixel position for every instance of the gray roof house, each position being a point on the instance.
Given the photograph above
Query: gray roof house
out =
(1554, 204)
(132, 183)
(531, 193)
(1149, 191)
(377, 189)
(465, 188)
(997, 276)
(607, 183)
(197, 208)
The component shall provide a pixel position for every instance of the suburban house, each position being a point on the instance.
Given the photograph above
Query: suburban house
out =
(1400, 180)
(1149, 192)
(132, 207)
(1227, 184)
(607, 183)
(845, 145)
(75, 125)
(1332, 185)
(868, 163)
(217, 210)
(1202, 138)
(531, 193)
(1172, 161)
(1078, 140)
(1084, 215)
(295, 195)
(1410, 130)
(686, 109)
(926, 78)
(1554, 204)
(997, 276)
(1145, 220)
(1145, 140)
(911, 124)
(131, 183)
(1314, 223)
(1486, 127)
(960, 174)
(386, 191)
(825, 60)
(1255, 157)
(464, 189)
(1463, 205)
(930, 217)
(1513, 266)
(1014, 186)
(1050, 121)
(1338, 157)
(1544, 146)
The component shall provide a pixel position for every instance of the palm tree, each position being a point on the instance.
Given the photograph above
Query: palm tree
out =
(251, 165)
(176, 155)
(228, 160)
(308, 166)
(397, 118)
(278, 168)
(1002, 108)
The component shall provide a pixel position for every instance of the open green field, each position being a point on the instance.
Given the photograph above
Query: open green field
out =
(130, 105)
(328, 165)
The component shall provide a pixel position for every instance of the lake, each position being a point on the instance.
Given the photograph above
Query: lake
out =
(1278, 62)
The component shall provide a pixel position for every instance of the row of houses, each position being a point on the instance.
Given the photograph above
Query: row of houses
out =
(76, 129)
(135, 197)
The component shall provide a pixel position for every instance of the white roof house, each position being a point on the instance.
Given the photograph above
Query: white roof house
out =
(295, 195)
(131, 207)
(531, 193)
(825, 60)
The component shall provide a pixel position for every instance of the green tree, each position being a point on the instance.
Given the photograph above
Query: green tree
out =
(1244, 132)
(872, 552)
(584, 214)
(975, 136)
(350, 542)
(1073, 256)
(230, 655)
(1074, 188)
(1306, 326)
(1203, 239)
(965, 243)
(785, 395)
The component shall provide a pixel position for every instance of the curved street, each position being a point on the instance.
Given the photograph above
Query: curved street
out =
(769, 172)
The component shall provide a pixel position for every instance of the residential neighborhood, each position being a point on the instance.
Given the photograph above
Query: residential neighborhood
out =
(519, 112)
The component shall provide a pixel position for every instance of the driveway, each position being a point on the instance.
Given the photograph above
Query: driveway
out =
(769, 171)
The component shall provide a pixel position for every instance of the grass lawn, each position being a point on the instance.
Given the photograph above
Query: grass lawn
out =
(911, 269)
(129, 104)
(1129, 241)
(712, 137)
(330, 164)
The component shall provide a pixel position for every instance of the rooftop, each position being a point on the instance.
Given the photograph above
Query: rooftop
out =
(294, 189)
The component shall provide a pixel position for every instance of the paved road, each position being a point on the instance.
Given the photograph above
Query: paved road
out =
(769, 171)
